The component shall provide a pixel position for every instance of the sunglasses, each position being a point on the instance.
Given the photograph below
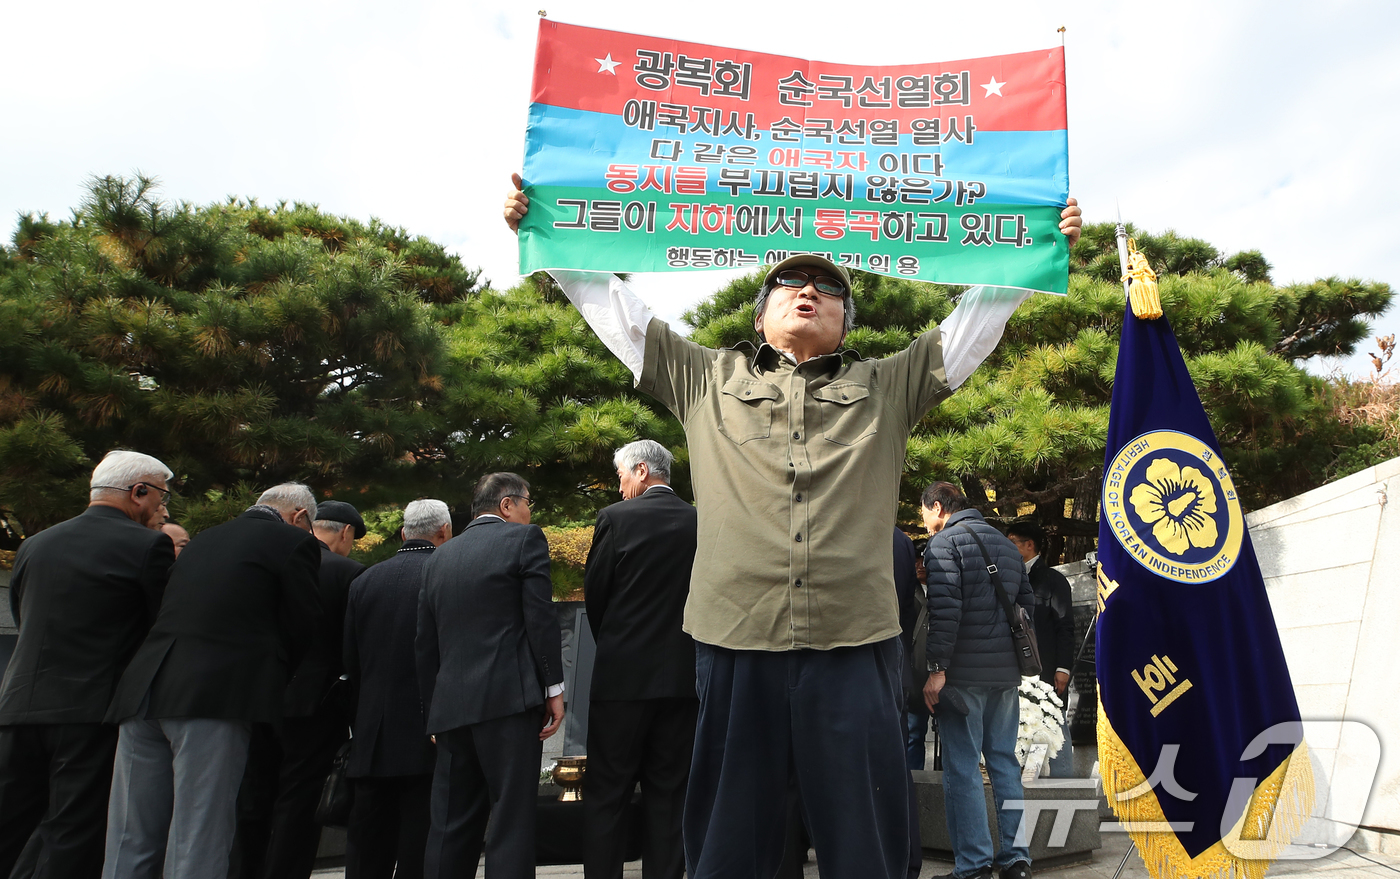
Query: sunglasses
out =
(796, 280)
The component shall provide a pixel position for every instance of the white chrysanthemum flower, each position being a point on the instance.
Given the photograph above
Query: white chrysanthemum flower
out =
(1040, 720)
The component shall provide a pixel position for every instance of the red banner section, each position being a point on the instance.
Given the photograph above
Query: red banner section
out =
(583, 68)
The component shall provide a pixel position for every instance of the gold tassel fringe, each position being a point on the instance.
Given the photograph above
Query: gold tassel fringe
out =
(1142, 291)
(1283, 802)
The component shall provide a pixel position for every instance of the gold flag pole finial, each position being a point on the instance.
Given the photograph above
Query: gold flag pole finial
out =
(543, 14)
(1139, 281)
(1061, 31)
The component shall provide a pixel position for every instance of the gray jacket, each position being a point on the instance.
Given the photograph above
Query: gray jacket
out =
(968, 633)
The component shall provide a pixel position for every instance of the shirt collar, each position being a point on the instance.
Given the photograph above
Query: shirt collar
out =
(263, 511)
(662, 487)
(1030, 563)
(105, 510)
(766, 357)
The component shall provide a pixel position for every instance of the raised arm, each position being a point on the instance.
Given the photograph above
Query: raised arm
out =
(613, 311)
(975, 326)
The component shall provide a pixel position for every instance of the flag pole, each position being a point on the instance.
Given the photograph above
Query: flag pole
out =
(1139, 281)
(1123, 863)
(1121, 233)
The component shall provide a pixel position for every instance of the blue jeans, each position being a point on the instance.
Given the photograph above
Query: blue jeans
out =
(916, 718)
(989, 728)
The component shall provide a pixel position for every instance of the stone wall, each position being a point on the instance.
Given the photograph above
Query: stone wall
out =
(1331, 563)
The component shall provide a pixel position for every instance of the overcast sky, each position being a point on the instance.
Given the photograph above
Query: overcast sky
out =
(1253, 125)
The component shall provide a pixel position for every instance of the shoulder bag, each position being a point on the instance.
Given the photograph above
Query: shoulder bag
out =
(1022, 630)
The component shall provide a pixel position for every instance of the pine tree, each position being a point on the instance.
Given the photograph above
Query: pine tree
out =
(245, 345)
(529, 387)
(241, 344)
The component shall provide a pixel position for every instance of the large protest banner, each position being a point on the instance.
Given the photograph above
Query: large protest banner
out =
(645, 154)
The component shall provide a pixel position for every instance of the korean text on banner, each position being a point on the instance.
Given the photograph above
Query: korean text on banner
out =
(644, 154)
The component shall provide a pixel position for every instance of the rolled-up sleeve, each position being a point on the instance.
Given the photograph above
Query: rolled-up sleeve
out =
(613, 311)
(972, 331)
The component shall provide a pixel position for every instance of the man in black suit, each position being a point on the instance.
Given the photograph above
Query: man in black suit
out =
(1054, 611)
(391, 757)
(489, 667)
(277, 829)
(642, 702)
(83, 593)
(237, 615)
(1054, 623)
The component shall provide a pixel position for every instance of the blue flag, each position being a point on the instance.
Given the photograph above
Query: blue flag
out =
(1200, 741)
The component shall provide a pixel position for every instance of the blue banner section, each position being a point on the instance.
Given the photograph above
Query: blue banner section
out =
(1001, 167)
(1189, 662)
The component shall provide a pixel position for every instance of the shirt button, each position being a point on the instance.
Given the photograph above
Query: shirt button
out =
(799, 498)
(798, 584)
(797, 436)
(748, 393)
(799, 538)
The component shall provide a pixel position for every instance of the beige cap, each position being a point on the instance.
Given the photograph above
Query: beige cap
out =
(810, 260)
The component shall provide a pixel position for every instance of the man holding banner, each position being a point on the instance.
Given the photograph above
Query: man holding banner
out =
(796, 453)
(796, 446)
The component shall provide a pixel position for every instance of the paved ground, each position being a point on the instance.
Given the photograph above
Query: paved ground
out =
(1340, 864)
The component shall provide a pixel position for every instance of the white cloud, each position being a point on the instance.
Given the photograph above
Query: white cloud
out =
(1250, 124)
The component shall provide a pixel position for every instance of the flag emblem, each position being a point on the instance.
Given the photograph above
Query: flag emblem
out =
(1171, 504)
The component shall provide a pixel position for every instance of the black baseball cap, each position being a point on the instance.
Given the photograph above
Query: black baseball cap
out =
(340, 511)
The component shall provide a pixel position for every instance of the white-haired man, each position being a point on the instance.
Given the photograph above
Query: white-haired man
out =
(642, 702)
(238, 614)
(796, 451)
(83, 593)
(391, 757)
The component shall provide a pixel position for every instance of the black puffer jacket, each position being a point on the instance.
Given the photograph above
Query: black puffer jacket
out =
(967, 629)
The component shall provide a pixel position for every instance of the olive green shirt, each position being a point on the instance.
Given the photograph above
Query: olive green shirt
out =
(796, 473)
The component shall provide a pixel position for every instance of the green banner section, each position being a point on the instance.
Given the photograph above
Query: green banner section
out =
(981, 243)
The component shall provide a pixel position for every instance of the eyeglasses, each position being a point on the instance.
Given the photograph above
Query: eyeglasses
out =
(165, 492)
(823, 283)
(525, 498)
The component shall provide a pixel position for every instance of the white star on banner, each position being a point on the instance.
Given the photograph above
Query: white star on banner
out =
(993, 88)
(606, 64)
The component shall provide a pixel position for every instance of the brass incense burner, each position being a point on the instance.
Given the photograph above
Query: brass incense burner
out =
(568, 773)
